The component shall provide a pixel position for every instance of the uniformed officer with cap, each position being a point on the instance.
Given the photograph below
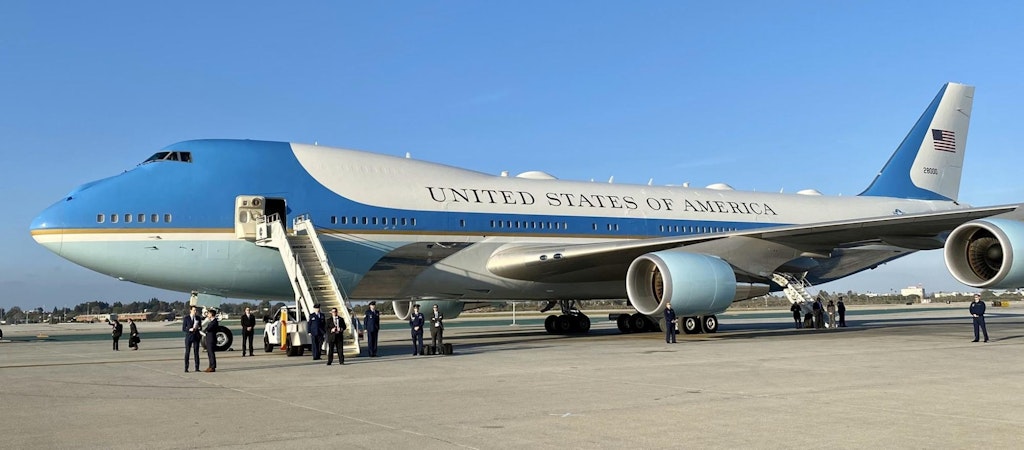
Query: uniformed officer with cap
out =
(416, 328)
(371, 324)
(315, 327)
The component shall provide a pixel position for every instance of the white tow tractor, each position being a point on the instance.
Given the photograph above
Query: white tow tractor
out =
(286, 322)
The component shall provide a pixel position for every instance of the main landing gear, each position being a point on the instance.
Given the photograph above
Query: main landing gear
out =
(571, 321)
(641, 323)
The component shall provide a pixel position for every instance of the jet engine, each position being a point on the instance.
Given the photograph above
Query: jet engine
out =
(695, 283)
(980, 253)
(449, 309)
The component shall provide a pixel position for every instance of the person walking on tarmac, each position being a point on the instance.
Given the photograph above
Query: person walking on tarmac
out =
(316, 331)
(211, 340)
(437, 330)
(116, 329)
(371, 322)
(978, 313)
(335, 337)
(796, 309)
(133, 335)
(191, 328)
(841, 309)
(670, 324)
(248, 330)
(416, 329)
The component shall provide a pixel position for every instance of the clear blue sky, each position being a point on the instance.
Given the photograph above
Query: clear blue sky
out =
(762, 95)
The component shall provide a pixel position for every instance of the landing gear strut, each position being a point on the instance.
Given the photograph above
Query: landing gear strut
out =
(571, 321)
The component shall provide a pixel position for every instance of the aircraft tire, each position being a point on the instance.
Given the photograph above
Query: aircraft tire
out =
(691, 325)
(549, 324)
(583, 323)
(266, 344)
(639, 323)
(564, 324)
(224, 338)
(623, 323)
(709, 324)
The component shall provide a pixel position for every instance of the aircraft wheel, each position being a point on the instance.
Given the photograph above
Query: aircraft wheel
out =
(223, 339)
(563, 324)
(709, 324)
(623, 323)
(691, 325)
(549, 324)
(582, 323)
(639, 323)
(266, 344)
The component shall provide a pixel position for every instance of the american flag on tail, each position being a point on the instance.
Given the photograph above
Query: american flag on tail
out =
(944, 140)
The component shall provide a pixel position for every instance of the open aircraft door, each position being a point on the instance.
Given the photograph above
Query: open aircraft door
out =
(251, 209)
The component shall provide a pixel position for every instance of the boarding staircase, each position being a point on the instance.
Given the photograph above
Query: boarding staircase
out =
(795, 289)
(309, 270)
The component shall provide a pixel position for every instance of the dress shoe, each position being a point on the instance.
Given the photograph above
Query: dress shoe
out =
(328, 364)
(986, 340)
(186, 370)
(209, 370)
(975, 340)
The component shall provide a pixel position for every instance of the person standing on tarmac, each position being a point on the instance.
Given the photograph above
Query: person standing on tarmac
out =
(372, 323)
(670, 324)
(416, 329)
(211, 340)
(336, 337)
(437, 330)
(191, 328)
(796, 314)
(841, 309)
(248, 330)
(315, 327)
(978, 313)
(133, 335)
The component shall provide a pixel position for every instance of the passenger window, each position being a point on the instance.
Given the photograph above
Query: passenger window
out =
(100, 218)
(167, 218)
(404, 221)
(154, 218)
(113, 218)
(127, 218)
(413, 221)
(462, 223)
(334, 220)
(142, 218)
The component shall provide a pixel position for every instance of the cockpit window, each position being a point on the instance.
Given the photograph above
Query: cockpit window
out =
(170, 156)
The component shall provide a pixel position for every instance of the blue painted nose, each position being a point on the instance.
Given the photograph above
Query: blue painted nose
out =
(48, 227)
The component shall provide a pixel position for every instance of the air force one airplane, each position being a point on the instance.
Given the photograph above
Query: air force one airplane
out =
(235, 218)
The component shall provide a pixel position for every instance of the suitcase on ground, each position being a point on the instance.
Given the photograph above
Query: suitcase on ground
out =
(447, 349)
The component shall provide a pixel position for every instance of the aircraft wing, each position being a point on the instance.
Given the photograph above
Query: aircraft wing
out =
(609, 260)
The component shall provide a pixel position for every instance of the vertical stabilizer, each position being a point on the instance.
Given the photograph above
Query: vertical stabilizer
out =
(928, 163)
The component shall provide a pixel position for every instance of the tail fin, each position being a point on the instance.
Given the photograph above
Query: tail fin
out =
(928, 163)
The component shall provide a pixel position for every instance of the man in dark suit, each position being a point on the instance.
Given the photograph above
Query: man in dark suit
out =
(371, 323)
(437, 330)
(841, 308)
(315, 327)
(133, 335)
(191, 328)
(211, 340)
(116, 330)
(416, 328)
(248, 330)
(978, 313)
(336, 337)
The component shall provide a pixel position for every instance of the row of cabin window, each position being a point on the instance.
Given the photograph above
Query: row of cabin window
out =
(353, 220)
(685, 229)
(525, 225)
(129, 218)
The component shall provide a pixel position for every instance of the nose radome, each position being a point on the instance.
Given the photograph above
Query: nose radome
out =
(48, 227)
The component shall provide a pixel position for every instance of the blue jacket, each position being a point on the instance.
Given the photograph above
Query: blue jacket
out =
(670, 315)
(978, 308)
(316, 324)
(416, 320)
(371, 322)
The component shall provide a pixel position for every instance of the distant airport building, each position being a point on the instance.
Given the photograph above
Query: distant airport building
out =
(912, 291)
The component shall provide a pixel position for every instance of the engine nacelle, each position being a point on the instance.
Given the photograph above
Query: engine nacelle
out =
(695, 283)
(980, 253)
(449, 309)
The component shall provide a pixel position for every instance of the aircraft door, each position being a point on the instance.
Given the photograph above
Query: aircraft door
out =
(250, 210)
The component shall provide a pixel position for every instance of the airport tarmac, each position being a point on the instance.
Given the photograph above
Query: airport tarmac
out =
(905, 377)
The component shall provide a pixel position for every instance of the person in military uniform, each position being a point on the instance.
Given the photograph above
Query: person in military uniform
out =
(248, 330)
(190, 326)
(335, 337)
(416, 329)
(978, 313)
(437, 330)
(371, 323)
(670, 324)
(315, 328)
